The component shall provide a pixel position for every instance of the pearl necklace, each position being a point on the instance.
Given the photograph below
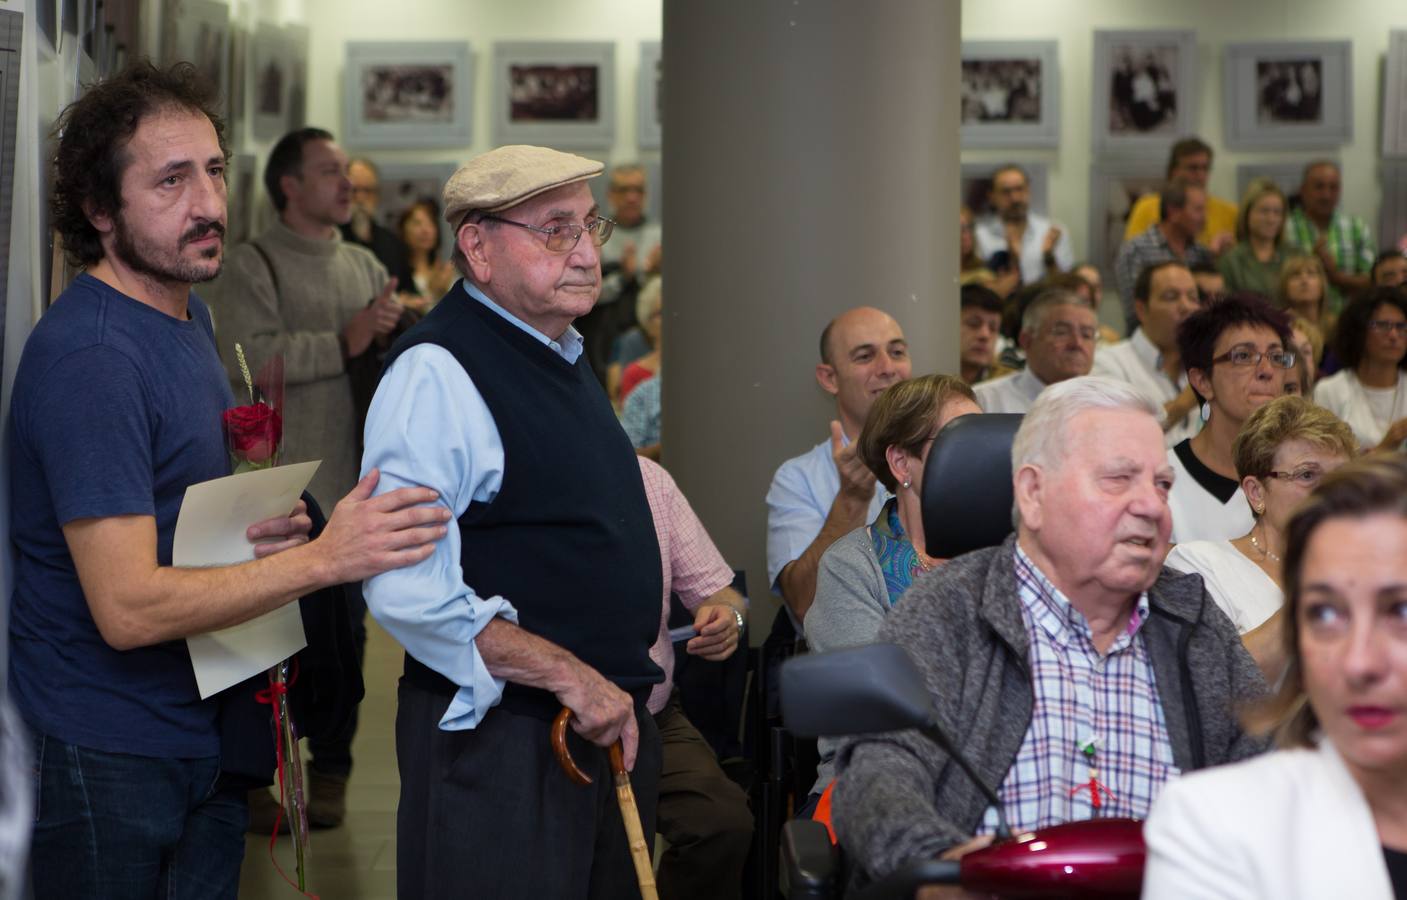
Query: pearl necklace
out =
(1263, 552)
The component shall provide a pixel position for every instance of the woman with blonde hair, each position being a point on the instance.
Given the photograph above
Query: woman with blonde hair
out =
(1281, 453)
(1325, 815)
(1303, 289)
(1254, 263)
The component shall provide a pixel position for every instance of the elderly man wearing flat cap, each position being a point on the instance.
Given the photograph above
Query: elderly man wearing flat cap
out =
(548, 592)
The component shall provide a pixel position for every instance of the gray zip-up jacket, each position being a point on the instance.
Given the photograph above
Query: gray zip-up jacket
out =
(898, 799)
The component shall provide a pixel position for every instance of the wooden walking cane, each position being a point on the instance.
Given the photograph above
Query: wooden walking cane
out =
(639, 850)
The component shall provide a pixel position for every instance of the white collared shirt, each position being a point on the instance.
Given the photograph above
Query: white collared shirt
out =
(1012, 393)
(1139, 363)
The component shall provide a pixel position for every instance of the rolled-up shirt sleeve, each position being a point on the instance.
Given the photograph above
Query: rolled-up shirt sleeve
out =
(428, 426)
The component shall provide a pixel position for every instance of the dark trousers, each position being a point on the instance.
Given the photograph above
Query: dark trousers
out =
(702, 814)
(488, 812)
(333, 756)
(116, 826)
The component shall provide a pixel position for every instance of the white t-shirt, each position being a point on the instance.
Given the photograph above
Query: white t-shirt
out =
(1205, 506)
(1368, 411)
(1239, 586)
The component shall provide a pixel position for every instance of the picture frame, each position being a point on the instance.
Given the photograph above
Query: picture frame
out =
(241, 191)
(1288, 95)
(1395, 97)
(554, 93)
(405, 183)
(1010, 94)
(1392, 213)
(295, 44)
(268, 83)
(977, 184)
(412, 95)
(198, 32)
(649, 97)
(1287, 175)
(1145, 92)
(1114, 187)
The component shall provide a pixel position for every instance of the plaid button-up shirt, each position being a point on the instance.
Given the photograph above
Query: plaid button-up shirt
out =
(1082, 695)
(1349, 240)
(1141, 251)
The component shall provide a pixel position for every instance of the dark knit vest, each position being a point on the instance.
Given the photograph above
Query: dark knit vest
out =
(568, 539)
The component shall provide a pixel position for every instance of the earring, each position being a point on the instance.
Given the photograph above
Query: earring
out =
(1260, 509)
(906, 485)
(1206, 411)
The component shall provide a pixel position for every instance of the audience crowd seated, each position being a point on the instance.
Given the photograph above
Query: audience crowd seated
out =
(1309, 349)
(1370, 391)
(1173, 237)
(1390, 268)
(1282, 452)
(978, 331)
(1236, 356)
(1342, 242)
(1303, 289)
(649, 311)
(828, 492)
(432, 274)
(1091, 277)
(1059, 640)
(1013, 238)
(1164, 296)
(1190, 160)
(1058, 331)
(1254, 264)
(972, 268)
(1325, 815)
(642, 381)
(864, 573)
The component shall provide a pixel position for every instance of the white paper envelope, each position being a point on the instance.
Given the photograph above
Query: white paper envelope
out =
(210, 532)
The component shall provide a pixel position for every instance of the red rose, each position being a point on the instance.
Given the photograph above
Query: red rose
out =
(253, 433)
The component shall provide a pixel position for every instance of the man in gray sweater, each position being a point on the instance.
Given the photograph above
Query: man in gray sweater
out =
(1073, 671)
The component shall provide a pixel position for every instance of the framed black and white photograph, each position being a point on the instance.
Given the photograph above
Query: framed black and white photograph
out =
(1285, 95)
(1395, 97)
(1010, 94)
(411, 95)
(405, 184)
(1145, 91)
(198, 32)
(241, 192)
(1392, 214)
(649, 96)
(556, 93)
(1287, 175)
(1114, 187)
(295, 51)
(269, 83)
(977, 185)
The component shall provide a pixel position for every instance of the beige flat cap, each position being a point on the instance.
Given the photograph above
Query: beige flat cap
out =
(507, 176)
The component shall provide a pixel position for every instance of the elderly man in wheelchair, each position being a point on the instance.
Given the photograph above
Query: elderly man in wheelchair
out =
(1062, 676)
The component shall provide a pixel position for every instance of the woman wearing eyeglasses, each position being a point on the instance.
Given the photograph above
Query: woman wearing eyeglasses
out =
(1282, 452)
(1237, 352)
(1370, 392)
(1325, 815)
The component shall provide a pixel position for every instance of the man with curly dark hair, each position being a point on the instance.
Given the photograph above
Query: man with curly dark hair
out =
(116, 411)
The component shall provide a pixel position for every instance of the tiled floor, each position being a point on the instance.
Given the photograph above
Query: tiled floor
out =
(358, 860)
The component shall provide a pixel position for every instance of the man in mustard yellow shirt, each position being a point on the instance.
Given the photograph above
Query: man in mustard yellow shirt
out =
(1191, 161)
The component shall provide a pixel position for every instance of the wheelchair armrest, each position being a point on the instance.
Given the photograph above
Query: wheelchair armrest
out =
(904, 883)
(809, 861)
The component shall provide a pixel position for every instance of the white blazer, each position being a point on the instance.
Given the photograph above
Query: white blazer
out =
(1288, 824)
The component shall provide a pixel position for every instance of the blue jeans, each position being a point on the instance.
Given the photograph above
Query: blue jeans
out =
(116, 826)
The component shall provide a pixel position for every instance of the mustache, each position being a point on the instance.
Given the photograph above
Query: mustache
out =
(202, 230)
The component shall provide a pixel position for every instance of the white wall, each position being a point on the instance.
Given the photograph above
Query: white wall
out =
(1365, 23)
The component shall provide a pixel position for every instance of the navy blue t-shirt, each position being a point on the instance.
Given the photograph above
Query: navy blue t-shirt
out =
(116, 411)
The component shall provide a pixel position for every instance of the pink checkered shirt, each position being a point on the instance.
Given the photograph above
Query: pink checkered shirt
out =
(692, 566)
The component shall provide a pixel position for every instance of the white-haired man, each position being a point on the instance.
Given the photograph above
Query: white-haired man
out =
(1058, 331)
(1075, 662)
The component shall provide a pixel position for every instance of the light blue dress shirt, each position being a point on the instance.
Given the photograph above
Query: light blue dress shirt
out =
(798, 502)
(429, 426)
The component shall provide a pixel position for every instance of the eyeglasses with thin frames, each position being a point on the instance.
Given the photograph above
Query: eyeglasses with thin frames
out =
(1244, 355)
(1387, 326)
(564, 238)
(1305, 476)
